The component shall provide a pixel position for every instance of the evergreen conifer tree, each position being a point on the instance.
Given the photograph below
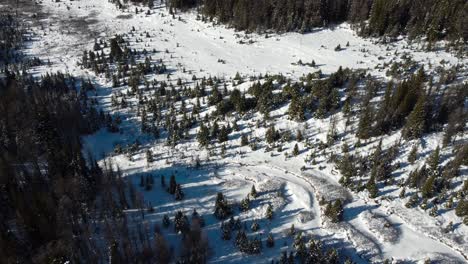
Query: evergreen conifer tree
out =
(416, 123)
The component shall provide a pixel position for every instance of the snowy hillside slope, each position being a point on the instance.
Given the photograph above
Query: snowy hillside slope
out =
(290, 184)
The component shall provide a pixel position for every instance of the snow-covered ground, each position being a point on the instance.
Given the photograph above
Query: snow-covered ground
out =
(201, 49)
(197, 46)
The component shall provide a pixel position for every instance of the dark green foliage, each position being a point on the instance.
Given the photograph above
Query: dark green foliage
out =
(418, 177)
(215, 97)
(269, 212)
(433, 161)
(364, 130)
(149, 156)
(295, 150)
(413, 201)
(347, 169)
(372, 187)
(297, 109)
(255, 226)
(253, 192)
(462, 208)
(271, 135)
(416, 123)
(203, 136)
(428, 188)
(244, 140)
(180, 4)
(223, 135)
(402, 193)
(455, 124)
(245, 204)
(334, 211)
(115, 50)
(181, 223)
(222, 207)
(246, 245)
(225, 231)
(413, 155)
(434, 19)
(46, 185)
(279, 15)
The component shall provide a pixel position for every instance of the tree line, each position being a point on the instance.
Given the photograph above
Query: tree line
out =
(431, 18)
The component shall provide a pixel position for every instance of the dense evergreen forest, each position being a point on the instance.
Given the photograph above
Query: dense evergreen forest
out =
(434, 19)
(46, 186)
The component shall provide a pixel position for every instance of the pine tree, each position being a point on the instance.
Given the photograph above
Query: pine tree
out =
(347, 168)
(149, 156)
(245, 204)
(178, 193)
(413, 155)
(222, 208)
(203, 136)
(413, 201)
(334, 211)
(295, 150)
(427, 189)
(299, 245)
(253, 192)
(292, 230)
(433, 161)
(372, 187)
(462, 208)
(338, 211)
(215, 97)
(242, 242)
(255, 226)
(365, 123)
(214, 130)
(244, 140)
(402, 193)
(271, 135)
(181, 223)
(225, 231)
(269, 212)
(223, 135)
(296, 109)
(416, 123)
